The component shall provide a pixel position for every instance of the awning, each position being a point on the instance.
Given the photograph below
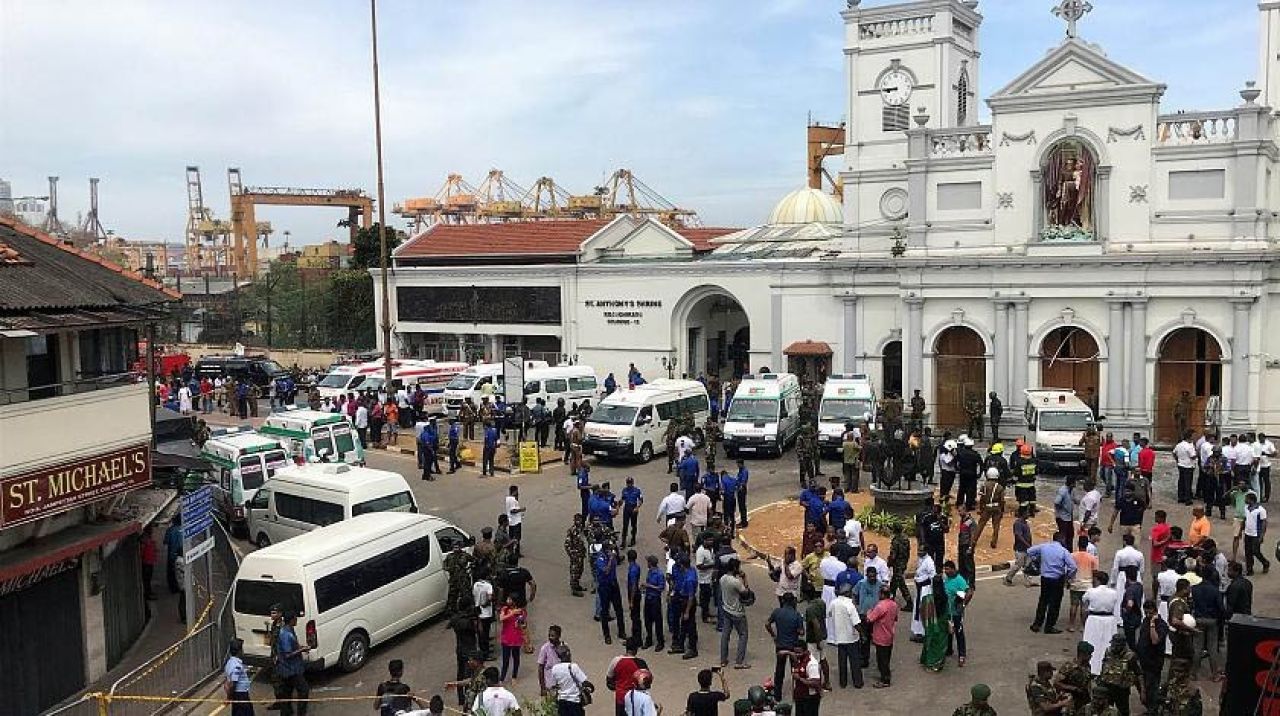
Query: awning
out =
(58, 319)
(807, 348)
(67, 544)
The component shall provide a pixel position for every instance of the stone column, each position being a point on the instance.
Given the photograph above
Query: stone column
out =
(495, 348)
(1115, 406)
(1000, 350)
(1020, 358)
(1136, 399)
(1238, 408)
(462, 347)
(850, 340)
(913, 345)
(777, 364)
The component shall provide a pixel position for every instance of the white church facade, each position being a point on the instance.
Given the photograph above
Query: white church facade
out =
(1083, 239)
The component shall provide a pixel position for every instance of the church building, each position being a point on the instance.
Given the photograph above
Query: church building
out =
(1086, 238)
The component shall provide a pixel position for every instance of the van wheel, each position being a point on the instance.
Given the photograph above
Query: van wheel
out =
(263, 540)
(355, 651)
(646, 453)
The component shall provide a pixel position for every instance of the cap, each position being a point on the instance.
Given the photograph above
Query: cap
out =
(1085, 647)
(982, 692)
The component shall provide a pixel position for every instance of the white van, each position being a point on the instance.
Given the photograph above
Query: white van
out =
(1056, 421)
(300, 499)
(354, 585)
(432, 376)
(846, 398)
(470, 383)
(574, 383)
(242, 460)
(764, 415)
(632, 423)
(309, 435)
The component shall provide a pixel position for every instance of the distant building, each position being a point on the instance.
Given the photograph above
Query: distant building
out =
(74, 452)
(6, 198)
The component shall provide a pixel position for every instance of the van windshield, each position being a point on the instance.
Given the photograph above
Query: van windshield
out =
(335, 380)
(753, 410)
(251, 476)
(835, 410)
(344, 439)
(256, 597)
(1066, 422)
(271, 367)
(614, 414)
(461, 381)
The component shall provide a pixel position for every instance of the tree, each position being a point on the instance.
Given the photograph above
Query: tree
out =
(366, 248)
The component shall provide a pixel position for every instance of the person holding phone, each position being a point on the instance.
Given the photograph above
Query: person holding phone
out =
(291, 667)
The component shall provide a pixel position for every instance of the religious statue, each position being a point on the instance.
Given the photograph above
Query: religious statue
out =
(1068, 192)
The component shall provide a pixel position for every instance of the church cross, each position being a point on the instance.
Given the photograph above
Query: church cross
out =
(1072, 11)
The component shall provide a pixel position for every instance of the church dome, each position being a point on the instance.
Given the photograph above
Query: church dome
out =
(807, 206)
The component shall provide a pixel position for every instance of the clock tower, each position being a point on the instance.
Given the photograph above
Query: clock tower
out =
(900, 58)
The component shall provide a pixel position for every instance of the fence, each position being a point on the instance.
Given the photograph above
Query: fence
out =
(179, 670)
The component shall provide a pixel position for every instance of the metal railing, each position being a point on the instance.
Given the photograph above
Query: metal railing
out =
(67, 387)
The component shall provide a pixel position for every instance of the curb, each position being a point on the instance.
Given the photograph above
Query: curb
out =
(760, 554)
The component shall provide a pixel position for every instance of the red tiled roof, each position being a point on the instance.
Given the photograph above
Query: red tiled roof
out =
(526, 238)
(10, 255)
(807, 348)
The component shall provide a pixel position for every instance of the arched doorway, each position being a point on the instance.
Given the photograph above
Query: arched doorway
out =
(891, 369)
(1069, 359)
(1190, 360)
(959, 371)
(716, 336)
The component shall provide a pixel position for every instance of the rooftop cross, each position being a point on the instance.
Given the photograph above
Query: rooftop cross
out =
(1072, 11)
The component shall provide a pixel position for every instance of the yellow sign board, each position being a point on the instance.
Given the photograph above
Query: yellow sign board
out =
(530, 461)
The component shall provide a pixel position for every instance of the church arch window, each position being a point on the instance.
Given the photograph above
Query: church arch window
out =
(962, 99)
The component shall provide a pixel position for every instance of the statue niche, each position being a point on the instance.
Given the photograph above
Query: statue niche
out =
(1070, 172)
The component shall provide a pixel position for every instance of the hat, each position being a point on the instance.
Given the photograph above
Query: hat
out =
(982, 692)
(950, 445)
(997, 448)
(993, 473)
(1085, 647)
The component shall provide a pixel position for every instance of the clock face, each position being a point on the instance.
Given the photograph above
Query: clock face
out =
(895, 87)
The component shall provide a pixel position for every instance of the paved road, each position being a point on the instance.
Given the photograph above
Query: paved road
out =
(1002, 651)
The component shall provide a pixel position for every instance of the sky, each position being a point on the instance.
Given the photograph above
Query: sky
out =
(706, 101)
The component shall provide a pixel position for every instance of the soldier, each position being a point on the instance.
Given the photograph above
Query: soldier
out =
(917, 411)
(873, 458)
(977, 705)
(804, 454)
(991, 503)
(1182, 411)
(995, 411)
(1074, 678)
(712, 433)
(1101, 705)
(458, 567)
(471, 687)
(485, 413)
(1181, 699)
(669, 437)
(1043, 697)
(926, 456)
(892, 408)
(1092, 444)
(899, 554)
(575, 545)
(973, 410)
(467, 415)
(1181, 637)
(1120, 672)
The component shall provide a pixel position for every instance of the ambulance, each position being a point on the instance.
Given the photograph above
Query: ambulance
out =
(309, 435)
(430, 375)
(764, 416)
(471, 383)
(846, 398)
(1057, 421)
(242, 460)
(632, 423)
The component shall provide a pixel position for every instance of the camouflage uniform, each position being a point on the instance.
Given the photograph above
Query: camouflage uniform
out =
(575, 545)
(1179, 663)
(458, 567)
(973, 409)
(1120, 672)
(1180, 698)
(899, 554)
(1076, 675)
(713, 434)
(972, 709)
(673, 432)
(474, 688)
(1040, 696)
(892, 408)
(917, 413)
(805, 446)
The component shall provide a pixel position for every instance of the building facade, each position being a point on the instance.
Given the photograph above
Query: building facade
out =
(1086, 238)
(75, 447)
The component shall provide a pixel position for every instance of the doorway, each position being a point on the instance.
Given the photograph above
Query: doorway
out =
(1190, 360)
(959, 371)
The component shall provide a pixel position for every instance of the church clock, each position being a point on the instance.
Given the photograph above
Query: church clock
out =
(895, 87)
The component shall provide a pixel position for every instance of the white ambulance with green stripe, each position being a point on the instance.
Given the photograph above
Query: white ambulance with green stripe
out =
(315, 434)
(242, 460)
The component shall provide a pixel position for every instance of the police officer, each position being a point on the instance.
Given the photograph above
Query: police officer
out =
(455, 436)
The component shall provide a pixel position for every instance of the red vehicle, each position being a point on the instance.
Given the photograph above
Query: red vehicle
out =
(166, 363)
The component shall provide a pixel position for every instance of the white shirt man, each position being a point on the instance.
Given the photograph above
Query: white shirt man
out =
(830, 567)
(1184, 453)
(925, 572)
(1244, 454)
(1254, 517)
(482, 594)
(671, 506)
(853, 533)
(843, 617)
(1228, 452)
(496, 701)
(883, 573)
(705, 562)
(1125, 556)
(1264, 450)
(1089, 506)
(1206, 449)
(567, 678)
(697, 507)
(638, 702)
(362, 417)
(514, 514)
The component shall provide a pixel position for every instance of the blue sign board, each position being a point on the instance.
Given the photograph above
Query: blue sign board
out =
(197, 511)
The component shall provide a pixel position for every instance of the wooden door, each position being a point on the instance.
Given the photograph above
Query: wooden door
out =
(960, 370)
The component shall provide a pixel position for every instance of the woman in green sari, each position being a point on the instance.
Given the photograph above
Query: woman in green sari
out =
(936, 618)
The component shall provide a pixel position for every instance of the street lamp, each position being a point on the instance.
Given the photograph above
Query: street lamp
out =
(669, 363)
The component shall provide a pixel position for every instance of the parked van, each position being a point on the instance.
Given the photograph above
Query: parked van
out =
(354, 585)
(242, 460)
(574, 383)
(311, 434)
(431, 375)
(764, 416)
(470, 383)
(258, 370)
(632, 423)
(846, 398)
(1056, 421)
(300, 499)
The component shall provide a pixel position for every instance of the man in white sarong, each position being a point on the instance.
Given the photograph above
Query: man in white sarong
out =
(925, 572)
(1100, 604)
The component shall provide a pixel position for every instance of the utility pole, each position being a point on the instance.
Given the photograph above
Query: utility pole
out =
(151, 356)
(382, 205)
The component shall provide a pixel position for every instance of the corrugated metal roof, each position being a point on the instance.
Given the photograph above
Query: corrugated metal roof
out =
(524, 238)
(53, 275)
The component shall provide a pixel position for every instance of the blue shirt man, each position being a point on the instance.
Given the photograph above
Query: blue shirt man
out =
(686, 581)
(850, 576)
(600, 508)
(1055, 561)
(728, 486)
(630, 498)
(687, 470)
(838, 512)
(633, 576)
(655, 583)
(606, 570)
(455, 434)
(289, 657)
(432, 434)
(814, 508)
(743, 476)
(491, 438)
(711, 482)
